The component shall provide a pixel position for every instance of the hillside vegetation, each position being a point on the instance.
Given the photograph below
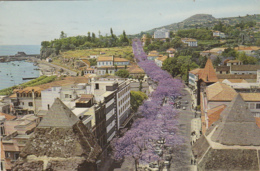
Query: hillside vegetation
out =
(38, 81)
(204, 21)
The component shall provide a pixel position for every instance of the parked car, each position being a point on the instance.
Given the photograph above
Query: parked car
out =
(183, 108)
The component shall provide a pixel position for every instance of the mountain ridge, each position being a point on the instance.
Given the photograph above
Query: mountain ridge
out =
(203, 21)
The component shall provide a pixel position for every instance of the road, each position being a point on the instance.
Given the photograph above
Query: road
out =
(182, 162)
(43, 67)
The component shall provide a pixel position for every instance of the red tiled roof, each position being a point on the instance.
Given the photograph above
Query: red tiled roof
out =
(197, 71)
(257, 120)
(209, 74)
(7, 116)
(214, 114)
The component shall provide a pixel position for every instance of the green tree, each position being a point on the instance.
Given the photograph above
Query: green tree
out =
(63, 35)
(89, 38)
(140, 85)
(136, 99)
(93, 37)
(111, 32)
(170, 65)
(123, 73)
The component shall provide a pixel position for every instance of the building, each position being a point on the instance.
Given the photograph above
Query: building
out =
(64, 140)
(17, 134)
(89, 71)
(207, 77)
(159, 61)
(219, 34)
(214, 51)
(234, 62)
(145, 39)
(109, 65)
(3, 118)
(161, 33)
(99, 86)
(232, 142)
(190, 42)
(194, 77)
(222, 69)
(244, 69)
(249, 50)
(135, 71)
(29, 100)
(152, 55)
(171, 50)
(219, 94)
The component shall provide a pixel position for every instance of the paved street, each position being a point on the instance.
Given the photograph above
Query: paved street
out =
(182, 162)
(48, 66)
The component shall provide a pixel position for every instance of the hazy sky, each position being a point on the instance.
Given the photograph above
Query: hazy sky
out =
(30, 22)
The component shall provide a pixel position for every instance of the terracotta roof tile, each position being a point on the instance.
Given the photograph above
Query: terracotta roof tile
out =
(251, 97)
(197, 71)
(220, 92)
(135, 69)
(105, 58)
(209, 74)
(120, 60)
(257, 120)
(214, 114)
(7, 116)
(162, 58)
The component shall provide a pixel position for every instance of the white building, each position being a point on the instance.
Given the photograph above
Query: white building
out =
(110, 64)
(162, 33)
(159, 61)
(190, 42)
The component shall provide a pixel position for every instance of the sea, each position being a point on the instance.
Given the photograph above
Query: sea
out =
(12, 73)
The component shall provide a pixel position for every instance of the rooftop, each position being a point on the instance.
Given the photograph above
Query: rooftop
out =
(59, 115)
(245, 67)
(7, 116)
(104, 58)
(237, 125)
(209, 74)
(220, 92)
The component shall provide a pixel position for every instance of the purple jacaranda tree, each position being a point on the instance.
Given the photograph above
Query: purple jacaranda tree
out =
(159, 120)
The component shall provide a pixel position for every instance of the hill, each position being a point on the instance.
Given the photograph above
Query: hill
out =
(203, 21)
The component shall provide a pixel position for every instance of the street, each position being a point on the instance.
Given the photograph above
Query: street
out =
(182, 161)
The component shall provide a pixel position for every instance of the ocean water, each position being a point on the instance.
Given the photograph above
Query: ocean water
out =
(12, 73)
(13, 49)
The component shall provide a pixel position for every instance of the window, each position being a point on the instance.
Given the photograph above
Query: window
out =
(220, 72)
(22, 103)
(7, 154)
(70, 96)
(252, 106)
(97, 86)
(258, 106)
(66, 95)
(30, 104)
(16, 156)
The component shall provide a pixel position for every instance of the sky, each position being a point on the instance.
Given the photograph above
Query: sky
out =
(31, 22)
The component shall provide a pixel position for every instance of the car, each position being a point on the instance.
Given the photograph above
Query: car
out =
(186, 102)
(183, 108)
